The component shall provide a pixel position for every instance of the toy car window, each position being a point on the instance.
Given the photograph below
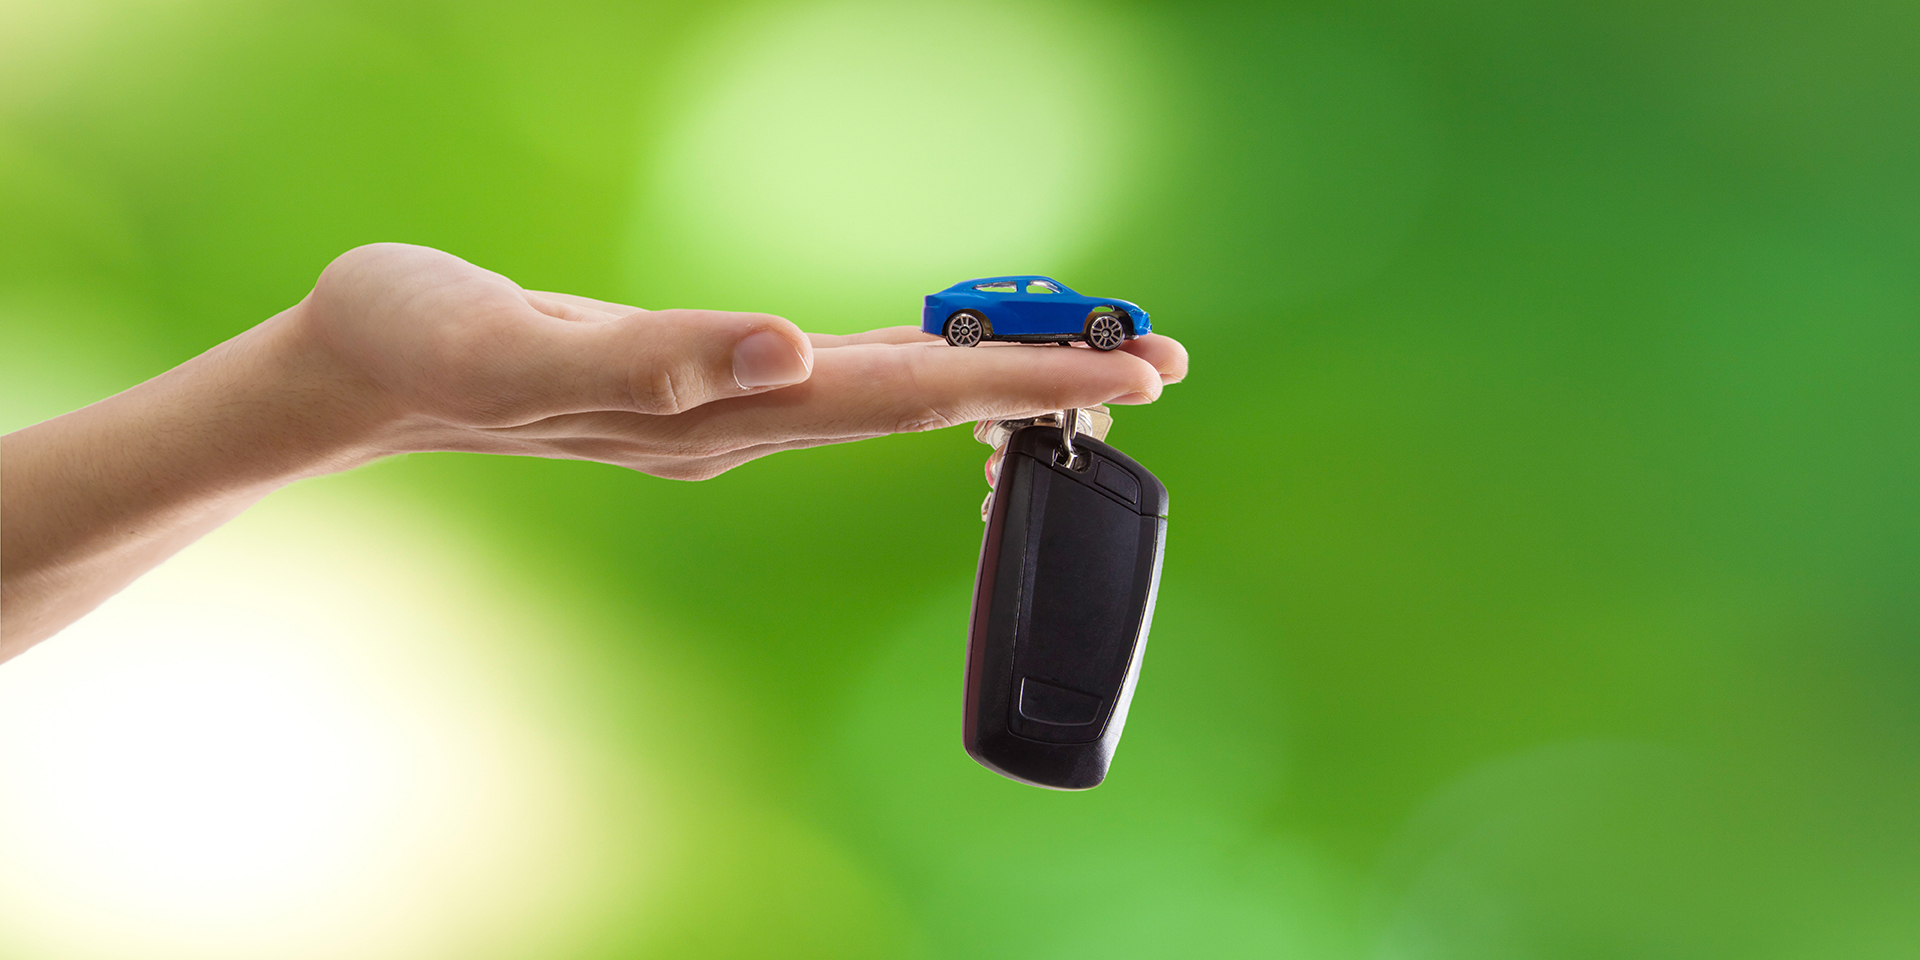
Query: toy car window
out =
(1041, 286)
(1004, 286)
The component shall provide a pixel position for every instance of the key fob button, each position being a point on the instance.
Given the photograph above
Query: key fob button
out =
(1057, 706)
(1117, 481)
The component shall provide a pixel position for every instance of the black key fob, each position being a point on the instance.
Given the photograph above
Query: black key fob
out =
(1061, 608)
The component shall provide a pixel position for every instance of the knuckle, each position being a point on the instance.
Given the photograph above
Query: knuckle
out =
(921, 413)
(922, 418)
(653, 389)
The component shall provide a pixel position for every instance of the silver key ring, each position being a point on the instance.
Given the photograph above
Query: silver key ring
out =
(1070, 423)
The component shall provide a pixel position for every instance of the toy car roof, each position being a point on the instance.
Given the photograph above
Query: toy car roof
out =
(1016, 278)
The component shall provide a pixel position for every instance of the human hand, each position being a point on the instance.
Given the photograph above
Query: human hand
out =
(402, 349)
(454, 357)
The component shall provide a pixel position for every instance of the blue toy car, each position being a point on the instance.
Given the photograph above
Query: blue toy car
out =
(1029, 310)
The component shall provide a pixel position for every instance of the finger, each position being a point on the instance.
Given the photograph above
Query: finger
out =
(876, 389)
(1165, 353)
(645, 458)
(882, 335)
(710, 467)
(657, 362)
(570, 312)
(891, 389)
(604, 307)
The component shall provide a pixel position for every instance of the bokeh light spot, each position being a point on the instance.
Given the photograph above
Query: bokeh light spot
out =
(882, 139)
(286, 743)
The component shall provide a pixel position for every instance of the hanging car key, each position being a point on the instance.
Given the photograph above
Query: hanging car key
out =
(1062, 604)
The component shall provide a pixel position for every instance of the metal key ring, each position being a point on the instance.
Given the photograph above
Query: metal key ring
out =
(1069, 425)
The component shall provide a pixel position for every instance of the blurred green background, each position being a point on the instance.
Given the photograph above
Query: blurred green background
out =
(1545, 534)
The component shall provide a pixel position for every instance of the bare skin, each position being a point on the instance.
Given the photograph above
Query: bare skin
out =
(403, 349)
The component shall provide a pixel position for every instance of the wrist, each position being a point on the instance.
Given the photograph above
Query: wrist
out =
(302, 409)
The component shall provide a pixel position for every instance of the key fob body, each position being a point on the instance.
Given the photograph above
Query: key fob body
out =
(1061, 608)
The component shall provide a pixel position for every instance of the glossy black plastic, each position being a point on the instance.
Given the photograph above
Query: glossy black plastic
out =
(1061, 609)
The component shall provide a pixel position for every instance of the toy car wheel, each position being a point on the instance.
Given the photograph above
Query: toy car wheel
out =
(966, 329)
(1105, 331)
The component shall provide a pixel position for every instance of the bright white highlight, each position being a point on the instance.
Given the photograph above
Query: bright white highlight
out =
(281, 744)
(202, 771)
(882, 139)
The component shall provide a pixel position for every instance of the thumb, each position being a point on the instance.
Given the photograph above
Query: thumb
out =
(670, 361)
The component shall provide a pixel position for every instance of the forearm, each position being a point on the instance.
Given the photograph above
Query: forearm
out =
(91, 500)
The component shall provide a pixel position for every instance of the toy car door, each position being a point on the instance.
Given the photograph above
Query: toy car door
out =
(1042, 307)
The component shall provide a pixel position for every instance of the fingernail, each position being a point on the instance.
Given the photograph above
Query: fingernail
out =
(767, 359)
(1168, 381)
(1132, 398)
